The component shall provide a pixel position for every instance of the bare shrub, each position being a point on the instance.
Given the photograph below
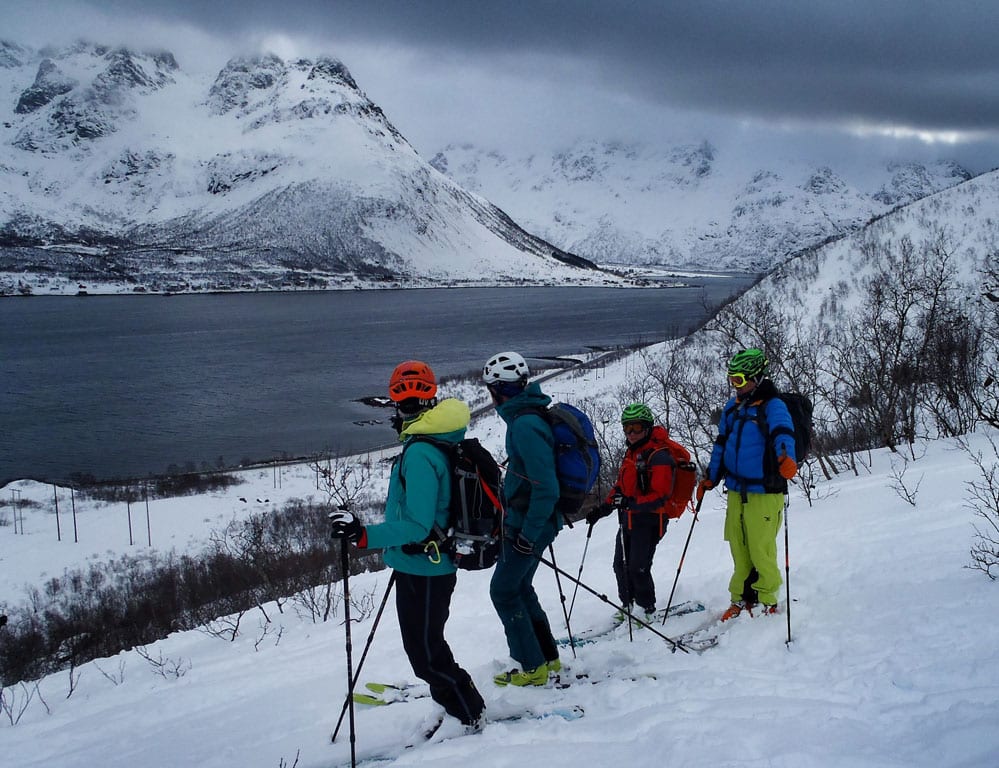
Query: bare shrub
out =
(165, 667)
(983, 501)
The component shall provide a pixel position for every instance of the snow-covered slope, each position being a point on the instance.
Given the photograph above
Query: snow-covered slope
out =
(827, 288)
(892, 662)
(688, 205)
(119, 168)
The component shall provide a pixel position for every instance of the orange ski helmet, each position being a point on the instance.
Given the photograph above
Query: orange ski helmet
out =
(412, 378)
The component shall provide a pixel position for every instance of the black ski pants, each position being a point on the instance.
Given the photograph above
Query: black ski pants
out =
(636, 547)
(423, 604)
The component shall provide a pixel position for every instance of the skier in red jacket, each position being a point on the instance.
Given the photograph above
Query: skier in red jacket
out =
(642, 495)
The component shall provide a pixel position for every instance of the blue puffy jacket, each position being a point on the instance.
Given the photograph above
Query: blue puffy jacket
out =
(740, 454)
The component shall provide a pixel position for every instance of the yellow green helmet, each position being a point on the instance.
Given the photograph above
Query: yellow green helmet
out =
(751, 363)
(637, 412)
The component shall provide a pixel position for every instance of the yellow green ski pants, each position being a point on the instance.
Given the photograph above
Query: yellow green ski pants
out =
(751, 529)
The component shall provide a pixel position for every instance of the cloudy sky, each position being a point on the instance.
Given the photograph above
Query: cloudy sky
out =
(910, 77)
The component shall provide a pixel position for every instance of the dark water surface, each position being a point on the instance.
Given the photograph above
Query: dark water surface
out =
(124, 386)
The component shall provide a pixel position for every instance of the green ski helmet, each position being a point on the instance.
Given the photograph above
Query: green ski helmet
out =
(637, 412)
(751, 363)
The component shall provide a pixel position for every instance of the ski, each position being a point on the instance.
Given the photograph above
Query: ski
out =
(432, 735)
(707, 635)
(383, 694)
(591, 636)
(680, 609)
(569, 712)
(585, 678)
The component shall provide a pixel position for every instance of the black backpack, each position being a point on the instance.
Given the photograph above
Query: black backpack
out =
(799, 407)
(475, 514)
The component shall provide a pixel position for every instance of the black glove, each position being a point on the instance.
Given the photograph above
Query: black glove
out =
(345, 526)
(623, 502)
(523, 545)
(396, 422)
(598, 513)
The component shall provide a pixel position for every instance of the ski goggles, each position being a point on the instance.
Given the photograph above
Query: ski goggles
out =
(635, 428)
(738, 380)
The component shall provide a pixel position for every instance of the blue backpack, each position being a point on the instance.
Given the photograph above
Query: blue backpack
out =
(577, 459)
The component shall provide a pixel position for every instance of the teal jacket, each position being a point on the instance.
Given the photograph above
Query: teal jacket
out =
(410, 512)
(530, 486)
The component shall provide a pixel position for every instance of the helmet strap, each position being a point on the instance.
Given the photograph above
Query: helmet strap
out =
(412, 407)
(507, 389)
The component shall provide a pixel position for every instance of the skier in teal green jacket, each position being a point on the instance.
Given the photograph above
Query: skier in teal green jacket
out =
(418, 496)
(531, 491)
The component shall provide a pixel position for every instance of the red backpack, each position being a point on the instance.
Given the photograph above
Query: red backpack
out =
(684, 479)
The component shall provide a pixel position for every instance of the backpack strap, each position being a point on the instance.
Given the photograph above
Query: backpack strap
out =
(535, 409)
(772, 480)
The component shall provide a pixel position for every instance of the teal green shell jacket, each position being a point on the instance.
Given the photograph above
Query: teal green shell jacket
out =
(410, 512)
(530, 486)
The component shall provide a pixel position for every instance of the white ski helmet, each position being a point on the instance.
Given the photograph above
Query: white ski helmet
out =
(505, 366)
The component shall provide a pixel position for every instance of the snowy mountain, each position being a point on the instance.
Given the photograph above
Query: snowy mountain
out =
(120, 171)
(688, 205)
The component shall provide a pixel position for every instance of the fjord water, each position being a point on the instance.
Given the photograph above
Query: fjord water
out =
(125, 386)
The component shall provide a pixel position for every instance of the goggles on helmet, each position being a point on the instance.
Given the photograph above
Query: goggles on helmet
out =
(738, 380)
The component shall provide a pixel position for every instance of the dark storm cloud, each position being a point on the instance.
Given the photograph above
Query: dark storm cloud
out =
(477, 70)
(924, 65)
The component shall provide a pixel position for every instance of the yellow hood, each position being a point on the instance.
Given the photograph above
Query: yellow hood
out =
(447, 416)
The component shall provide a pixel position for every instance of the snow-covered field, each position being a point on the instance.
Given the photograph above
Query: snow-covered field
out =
(893, 660)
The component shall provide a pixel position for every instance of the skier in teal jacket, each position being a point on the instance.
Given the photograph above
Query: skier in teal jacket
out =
(418, 496)
(531, 491)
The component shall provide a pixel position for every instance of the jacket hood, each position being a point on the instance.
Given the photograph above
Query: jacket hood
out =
(531, 397)
(448, 415)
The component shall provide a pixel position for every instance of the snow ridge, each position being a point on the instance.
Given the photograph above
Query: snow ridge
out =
(687, 205)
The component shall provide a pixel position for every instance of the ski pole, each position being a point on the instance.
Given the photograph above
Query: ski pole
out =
(561, 594)
(676, 644)
(787, 570)
(364, 655)
(626, 576)
(669, 603)
(579, 575)
(345, 567)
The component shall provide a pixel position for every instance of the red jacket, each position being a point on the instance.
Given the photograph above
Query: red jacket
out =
(646, 479)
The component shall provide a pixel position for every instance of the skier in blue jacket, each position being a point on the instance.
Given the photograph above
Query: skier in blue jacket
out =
(531, 492)
(418, 496)
(754, 453)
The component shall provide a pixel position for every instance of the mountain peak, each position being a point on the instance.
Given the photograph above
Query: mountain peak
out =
(244, 81)
(85, 91)
(329, 68)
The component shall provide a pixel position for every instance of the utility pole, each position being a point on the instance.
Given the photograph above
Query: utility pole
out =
(149, 530)
(55, 495)
(14, 503)
(72, 499)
